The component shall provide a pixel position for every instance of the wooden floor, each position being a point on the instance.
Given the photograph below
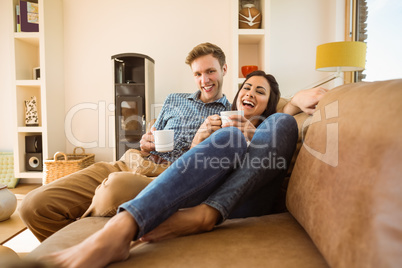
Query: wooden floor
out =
(23, 188)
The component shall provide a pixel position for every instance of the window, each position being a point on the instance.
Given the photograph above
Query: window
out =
(378, 22)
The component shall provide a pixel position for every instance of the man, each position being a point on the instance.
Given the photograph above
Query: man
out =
(184, 113)
(53, 206)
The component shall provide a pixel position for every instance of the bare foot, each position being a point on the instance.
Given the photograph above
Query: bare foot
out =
(188, 221)
(110, 244)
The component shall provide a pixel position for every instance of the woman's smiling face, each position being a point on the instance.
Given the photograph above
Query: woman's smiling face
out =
(253, 97)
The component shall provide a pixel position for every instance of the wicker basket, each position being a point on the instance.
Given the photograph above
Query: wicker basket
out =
(64, 164)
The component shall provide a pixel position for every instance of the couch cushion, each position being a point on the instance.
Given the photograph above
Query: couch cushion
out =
(269, 241)
(345, 189)
(302, 120)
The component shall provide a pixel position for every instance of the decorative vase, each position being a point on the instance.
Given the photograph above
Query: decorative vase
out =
(8, 203)
(31, 112)
(249, 17)
(247, 69)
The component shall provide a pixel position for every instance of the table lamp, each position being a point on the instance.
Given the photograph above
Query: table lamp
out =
(340, 57)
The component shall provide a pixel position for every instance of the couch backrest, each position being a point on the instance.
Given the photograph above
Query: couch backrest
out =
(346, 186)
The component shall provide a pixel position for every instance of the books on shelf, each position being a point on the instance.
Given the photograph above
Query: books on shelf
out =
(17, 17)
(27, 16)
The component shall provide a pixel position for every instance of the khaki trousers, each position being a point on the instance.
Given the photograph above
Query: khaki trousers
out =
(53, 206)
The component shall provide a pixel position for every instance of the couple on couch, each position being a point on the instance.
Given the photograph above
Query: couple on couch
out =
(232, 170)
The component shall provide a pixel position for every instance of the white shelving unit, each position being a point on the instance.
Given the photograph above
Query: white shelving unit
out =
(251, 45)
(42, 49)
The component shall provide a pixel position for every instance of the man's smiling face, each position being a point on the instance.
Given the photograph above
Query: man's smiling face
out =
(208, 75)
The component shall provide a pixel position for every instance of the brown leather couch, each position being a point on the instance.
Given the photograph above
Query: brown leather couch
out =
(344, 198)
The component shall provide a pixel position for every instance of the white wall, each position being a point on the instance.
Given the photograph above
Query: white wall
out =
(166, 31)
(6, 109)
(298, 27)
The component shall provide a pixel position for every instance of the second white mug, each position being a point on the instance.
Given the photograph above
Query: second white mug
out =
(164, 140)
(225, 115)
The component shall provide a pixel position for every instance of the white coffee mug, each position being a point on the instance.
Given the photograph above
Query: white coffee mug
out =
(164, 140)
(225, 115)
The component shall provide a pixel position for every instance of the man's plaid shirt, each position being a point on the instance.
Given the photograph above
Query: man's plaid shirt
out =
(184, 113)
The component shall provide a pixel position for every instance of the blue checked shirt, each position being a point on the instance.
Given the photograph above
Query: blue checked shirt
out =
(184, 113)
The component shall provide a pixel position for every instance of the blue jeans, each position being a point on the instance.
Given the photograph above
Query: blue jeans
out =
(223, 173)
(251, 189)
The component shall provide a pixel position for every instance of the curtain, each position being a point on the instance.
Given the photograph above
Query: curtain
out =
(361, 30)
(356, 14)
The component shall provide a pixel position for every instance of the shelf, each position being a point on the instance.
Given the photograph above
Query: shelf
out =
(26, 56)
(44, 50)
(251, 32)
(129, 84)
(252, 45)
(251, 37)
(27, 83)
(30, 38)
(30, 174)
(30, 129)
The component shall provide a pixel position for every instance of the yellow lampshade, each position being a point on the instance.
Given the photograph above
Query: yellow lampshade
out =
(341, 56)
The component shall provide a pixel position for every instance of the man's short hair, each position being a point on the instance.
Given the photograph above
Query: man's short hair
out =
(206, 49)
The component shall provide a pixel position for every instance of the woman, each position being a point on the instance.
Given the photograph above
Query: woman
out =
(233, 172)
